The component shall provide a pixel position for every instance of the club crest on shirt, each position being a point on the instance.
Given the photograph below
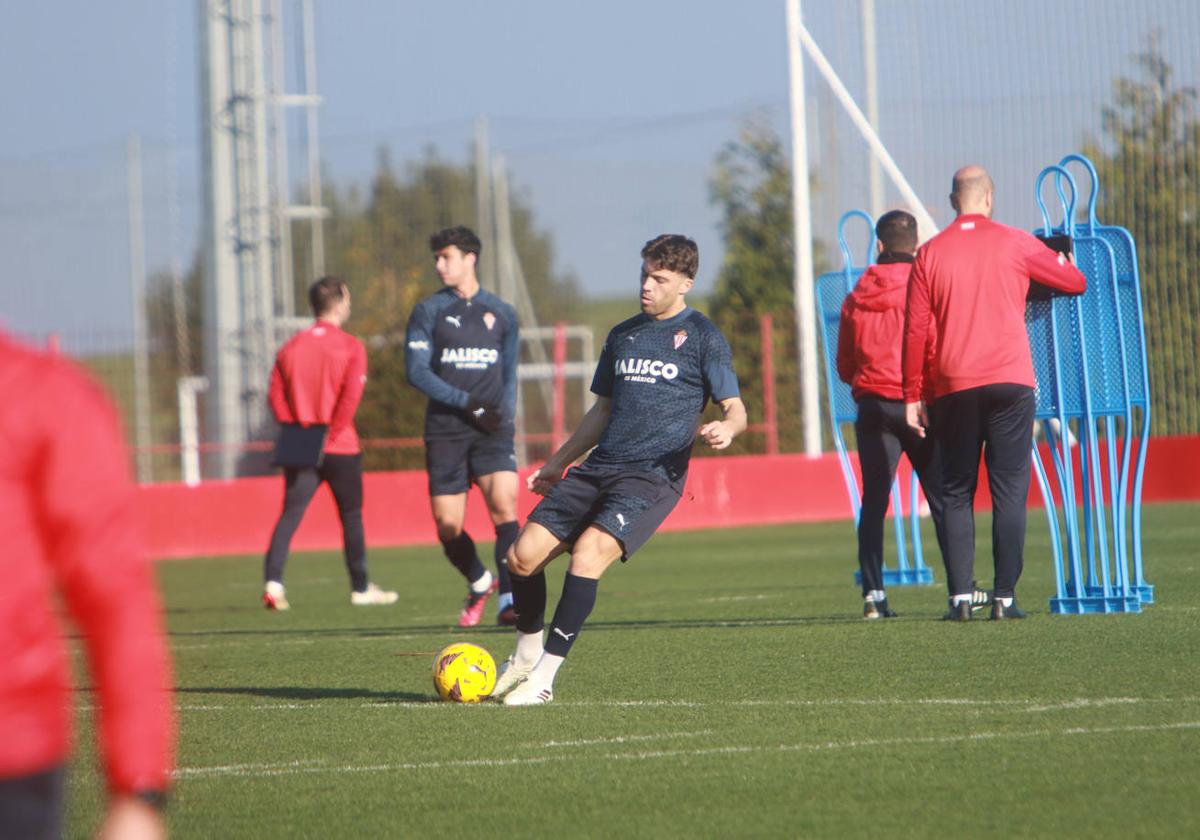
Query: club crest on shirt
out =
(489, 320)
(680, 337)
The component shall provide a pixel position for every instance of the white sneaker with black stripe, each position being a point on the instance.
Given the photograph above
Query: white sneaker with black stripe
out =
(529, 693)
(980, 598)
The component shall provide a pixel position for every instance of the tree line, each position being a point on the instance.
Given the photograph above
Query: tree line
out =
(1148, 159)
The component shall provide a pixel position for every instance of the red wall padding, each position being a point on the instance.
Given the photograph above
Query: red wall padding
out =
(236, 517)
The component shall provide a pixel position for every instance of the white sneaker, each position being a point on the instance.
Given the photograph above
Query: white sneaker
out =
(509, 675)
(372, 596)
(274, 596)
(529, 693)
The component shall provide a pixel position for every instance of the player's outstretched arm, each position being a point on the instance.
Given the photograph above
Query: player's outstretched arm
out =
(591, 427)
(720, 433)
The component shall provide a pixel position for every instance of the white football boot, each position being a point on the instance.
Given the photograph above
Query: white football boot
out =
(274, 596)
(530, 693)
(509, 675)
(373, 596)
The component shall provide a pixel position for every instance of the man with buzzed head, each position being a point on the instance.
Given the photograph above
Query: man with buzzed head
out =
(969, 283)
(656, 373)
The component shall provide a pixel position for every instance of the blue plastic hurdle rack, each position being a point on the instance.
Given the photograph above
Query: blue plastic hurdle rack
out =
(1137, 376)
(1082, 378)
(831, 290)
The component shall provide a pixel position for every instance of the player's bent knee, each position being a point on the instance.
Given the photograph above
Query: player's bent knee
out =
(523, 564)
(448, 531)
(534, 548)
(524, 557)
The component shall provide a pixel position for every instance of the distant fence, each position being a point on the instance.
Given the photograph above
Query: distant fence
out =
(236, 517)
(177, 447)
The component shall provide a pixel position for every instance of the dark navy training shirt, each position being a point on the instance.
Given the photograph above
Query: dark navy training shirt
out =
(659, 376)
(461, 350)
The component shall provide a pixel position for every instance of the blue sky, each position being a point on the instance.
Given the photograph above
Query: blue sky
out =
(610, 115)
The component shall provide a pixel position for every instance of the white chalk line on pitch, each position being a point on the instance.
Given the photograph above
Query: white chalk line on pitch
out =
(725, 598)
(258, 642)
(239, 768)
(1024, 705)
(620, 739)
(315, 766)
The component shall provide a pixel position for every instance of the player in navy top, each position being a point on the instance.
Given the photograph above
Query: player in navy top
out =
(655, 375)
(462, 354)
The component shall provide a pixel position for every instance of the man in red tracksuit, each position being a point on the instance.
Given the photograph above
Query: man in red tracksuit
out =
(868, 359)
(970, 283)
(318, 378)
(67, 512)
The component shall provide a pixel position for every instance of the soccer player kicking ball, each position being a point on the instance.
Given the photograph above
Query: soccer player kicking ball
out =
(656, 373)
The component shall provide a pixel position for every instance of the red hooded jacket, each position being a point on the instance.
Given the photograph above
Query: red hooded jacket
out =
(70, 528)
(871, 335)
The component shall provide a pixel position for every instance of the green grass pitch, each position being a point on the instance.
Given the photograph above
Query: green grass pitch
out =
(725, 686)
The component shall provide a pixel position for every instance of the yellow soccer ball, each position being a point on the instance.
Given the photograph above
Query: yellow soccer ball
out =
(464, 673)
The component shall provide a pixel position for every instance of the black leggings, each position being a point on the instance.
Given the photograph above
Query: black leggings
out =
(343, 473)
(882, 435)
(31, 807)
(999, 420)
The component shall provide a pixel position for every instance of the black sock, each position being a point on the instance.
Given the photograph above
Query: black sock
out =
(575, 605)
(529, 600)
(506, 535)
(461, 553)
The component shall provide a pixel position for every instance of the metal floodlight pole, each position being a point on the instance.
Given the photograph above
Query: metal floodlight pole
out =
(239, 301)
(311, 137)
(137, 283)
(806, 327)
(484, 215)
(281, 225)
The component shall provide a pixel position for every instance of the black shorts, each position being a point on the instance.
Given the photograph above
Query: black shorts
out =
(33, 806)
(454, 463)
(628, 504)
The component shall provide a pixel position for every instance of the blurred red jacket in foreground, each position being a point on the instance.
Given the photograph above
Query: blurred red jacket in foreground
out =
(69, 526)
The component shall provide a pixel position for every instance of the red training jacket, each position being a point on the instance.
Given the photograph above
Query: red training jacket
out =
(319, 376)
(970, 282)
(871, 334)
(70, 527)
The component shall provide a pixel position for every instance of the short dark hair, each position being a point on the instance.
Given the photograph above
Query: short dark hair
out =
(459, 236)
(325, 294)
(673, 252)
(897, 230)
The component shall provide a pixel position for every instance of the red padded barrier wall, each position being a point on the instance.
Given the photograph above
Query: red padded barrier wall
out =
(236, 517)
